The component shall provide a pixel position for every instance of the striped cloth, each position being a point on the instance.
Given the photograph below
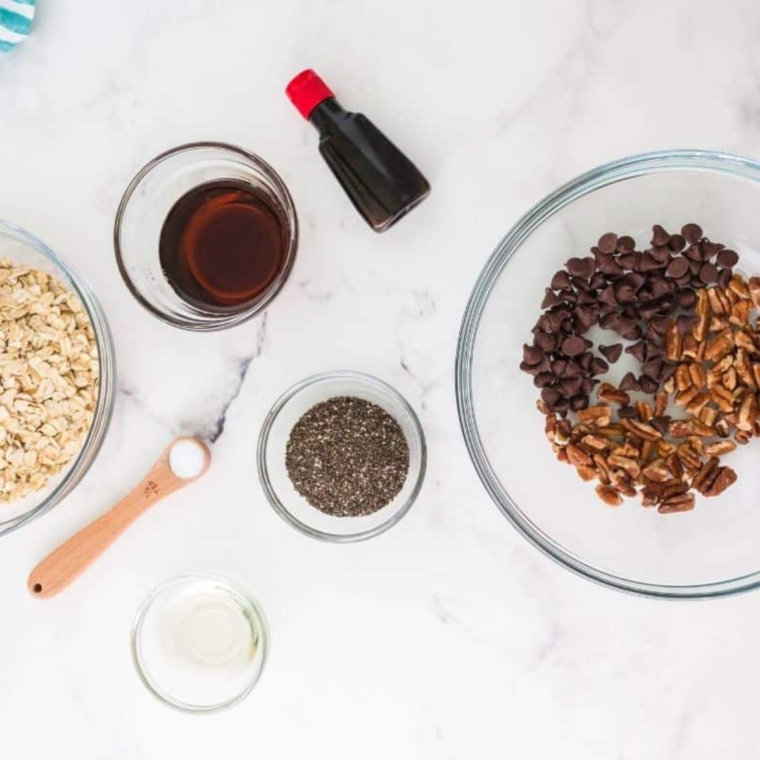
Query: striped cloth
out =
(15, 22)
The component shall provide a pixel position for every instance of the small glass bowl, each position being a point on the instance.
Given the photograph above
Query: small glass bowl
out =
(200, 643)
(23, 248)
(147, 202)
(288, 409)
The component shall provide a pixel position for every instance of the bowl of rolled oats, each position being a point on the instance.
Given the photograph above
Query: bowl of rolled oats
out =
(608, 374)
(57, 372)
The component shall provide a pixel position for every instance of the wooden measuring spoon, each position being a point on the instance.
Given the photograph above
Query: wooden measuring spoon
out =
(183, 462)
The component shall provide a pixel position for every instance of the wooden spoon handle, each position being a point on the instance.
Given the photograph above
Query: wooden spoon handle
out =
(70, 559)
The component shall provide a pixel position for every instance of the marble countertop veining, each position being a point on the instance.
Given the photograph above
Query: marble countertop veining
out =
(449, 637)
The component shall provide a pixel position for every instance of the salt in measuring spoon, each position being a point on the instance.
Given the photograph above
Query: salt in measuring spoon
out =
(183, 462)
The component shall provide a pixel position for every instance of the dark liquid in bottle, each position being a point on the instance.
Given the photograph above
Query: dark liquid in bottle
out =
(222, 245)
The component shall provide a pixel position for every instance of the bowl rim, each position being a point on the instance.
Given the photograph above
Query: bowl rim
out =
(218, 322)
(622, 169)
(263, 444)
(233, 587)
(104, 408)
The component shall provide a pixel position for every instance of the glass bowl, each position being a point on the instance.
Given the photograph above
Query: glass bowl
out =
(144, 208)
(23, 248)
(200, 643)
(710, 551)
(288, 409)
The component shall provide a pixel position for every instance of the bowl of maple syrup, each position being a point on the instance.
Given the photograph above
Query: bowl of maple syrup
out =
(206, 235)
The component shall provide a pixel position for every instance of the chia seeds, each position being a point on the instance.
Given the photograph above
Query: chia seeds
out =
(347, 457)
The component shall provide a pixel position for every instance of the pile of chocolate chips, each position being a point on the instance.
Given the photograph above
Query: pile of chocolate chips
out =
(637, 294)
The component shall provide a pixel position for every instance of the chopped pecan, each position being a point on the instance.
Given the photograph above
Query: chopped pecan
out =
(719, 302)
(744, 369)
(599, 415)
(740, 287)
(641, 430)
(719, 346)
(702, 311)
(608, 392)
(598, 443)
(708, 415)
(698, 375)
(629, 465)
(644, 410)
(748, 413)
(730, 379)
(726, 478)
(722, 398)
(742, 437)
(740, 314)
(586, 472)
(707, 473)
(550, 428)
(754, 290)
(746, 341)
(719, 448)
(660, 403)
(602, 468)
(698, 403)
(680, 428)
(681, 503)
(656, 472)
(718, 324)
(674, 344)
(683, 377)
(577, 456)
(685, 397)
(609, 495)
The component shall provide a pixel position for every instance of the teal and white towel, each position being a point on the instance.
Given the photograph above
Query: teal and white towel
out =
(15, 22)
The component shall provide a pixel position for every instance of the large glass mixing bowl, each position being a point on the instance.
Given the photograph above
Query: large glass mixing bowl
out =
(711, 551)
(22, 248)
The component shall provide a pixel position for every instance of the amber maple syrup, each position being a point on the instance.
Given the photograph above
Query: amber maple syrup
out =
(222, 245)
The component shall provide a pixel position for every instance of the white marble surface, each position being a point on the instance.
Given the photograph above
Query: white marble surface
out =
(449, 637)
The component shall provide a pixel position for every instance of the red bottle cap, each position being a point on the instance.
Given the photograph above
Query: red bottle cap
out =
(306, 91)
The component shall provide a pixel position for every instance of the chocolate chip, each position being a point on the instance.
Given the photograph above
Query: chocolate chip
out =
(728, 258)
(724, 277)
(652, 368)
(661, 424)
(629, 383)
(692, 232)
(586, 299)
(668, 370)
(677, 243)
(572, 369)
(608, 242)
(585, 361)
(550, 299)
(687, 299)
(628, 260)
(579, 402)
(708, 249)
(607, 296)
(586, 316)
(583, 268)
(662, 287)
(638, 351)
(562, 406)
(546, 341)
(659, 235)
(535, 369)
(573, 346)
(599, 366)
(598, 281)
(708, 274)
(532, 355)
(649, 263)
(558, 367)
(662, 325)
(550, 396)
(677, 268)
(692, 253)
(627, 412)
(648, 384)
(625, 244)
(612, 353)
(666, 306)
(655, 350)
(588, 385)
(544, 380)
(561, 281)
(661, 254)
(695, 267)
(571, 386)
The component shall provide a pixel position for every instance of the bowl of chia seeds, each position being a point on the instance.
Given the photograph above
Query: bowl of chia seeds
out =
(341, 456)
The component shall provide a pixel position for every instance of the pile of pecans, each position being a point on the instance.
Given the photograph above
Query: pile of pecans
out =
(703, 357)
